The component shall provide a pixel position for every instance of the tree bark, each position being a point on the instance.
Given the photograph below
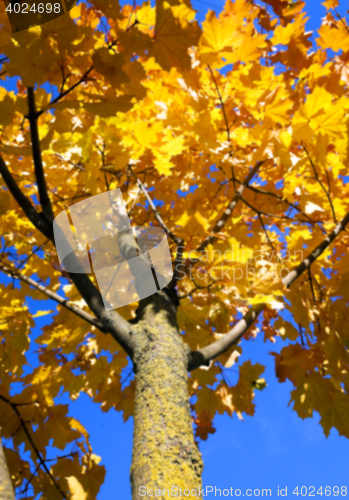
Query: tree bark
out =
(165, 454)
(6, 490)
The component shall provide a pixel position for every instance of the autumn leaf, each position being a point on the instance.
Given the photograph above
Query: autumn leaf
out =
(174, 34)
(76, 489)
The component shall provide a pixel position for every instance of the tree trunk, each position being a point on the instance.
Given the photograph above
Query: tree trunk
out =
(6, 490)
(165, 454)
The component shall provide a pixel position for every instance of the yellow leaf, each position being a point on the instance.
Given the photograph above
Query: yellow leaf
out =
(315, 392)
(173, 146)
(195, 224)
(57, 427)
(76, 489)
(108, 104)
(75, 424)
(42, 313)
(330, 4)
(174, 34)
(278, 110)
(218, 33)
(163, 164)
(334, 38)
(229, 36)
(146, 133)
(110, 66)
(319, 115)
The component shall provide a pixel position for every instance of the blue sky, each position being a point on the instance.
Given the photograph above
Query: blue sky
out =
(273, 448)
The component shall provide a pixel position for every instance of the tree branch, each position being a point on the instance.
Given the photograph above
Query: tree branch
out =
(222, 105)
(37, 249)
(66, 92)
(54, 296)
(227, 127)
(327, 193)
(205, 355)
(228, 211)
(303, 266)
(112, 321)
(157, 215)
(35, 218)
(178, 241)
(76, 165)
(14, 407)
(283, 200)
(44, 199)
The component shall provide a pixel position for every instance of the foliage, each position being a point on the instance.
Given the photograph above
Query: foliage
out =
(144, 99)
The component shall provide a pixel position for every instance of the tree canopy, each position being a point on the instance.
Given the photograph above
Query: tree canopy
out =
(231, 136)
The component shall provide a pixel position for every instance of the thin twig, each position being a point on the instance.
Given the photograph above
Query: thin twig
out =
(301, 335)
(311, 285)
(157, 215)
(342, 20)
(259, 214)
(23, 262)
(14, 407)
(227, 127)
(178, 241)
(281, 199)
(54, 296)
(228, 211)
(76, 165)
(327, 193)
(222, 103)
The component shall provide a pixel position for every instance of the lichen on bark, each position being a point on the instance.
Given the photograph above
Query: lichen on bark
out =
(164, 451)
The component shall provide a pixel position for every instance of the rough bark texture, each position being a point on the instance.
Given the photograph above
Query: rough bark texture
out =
(164, 450)
(6, 490)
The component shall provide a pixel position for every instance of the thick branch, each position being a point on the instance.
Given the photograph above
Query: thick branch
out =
(205, 355)
(35, 218)
(112, 322)
(44, 199)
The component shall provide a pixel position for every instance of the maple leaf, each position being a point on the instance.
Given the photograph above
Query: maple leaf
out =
(76, 489)
(330, 4)
(174, 34)
(57, 426)
(334, 37)
(318, 393)
(109, 64)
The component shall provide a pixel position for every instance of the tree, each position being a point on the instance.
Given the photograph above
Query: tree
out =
(232, 138)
